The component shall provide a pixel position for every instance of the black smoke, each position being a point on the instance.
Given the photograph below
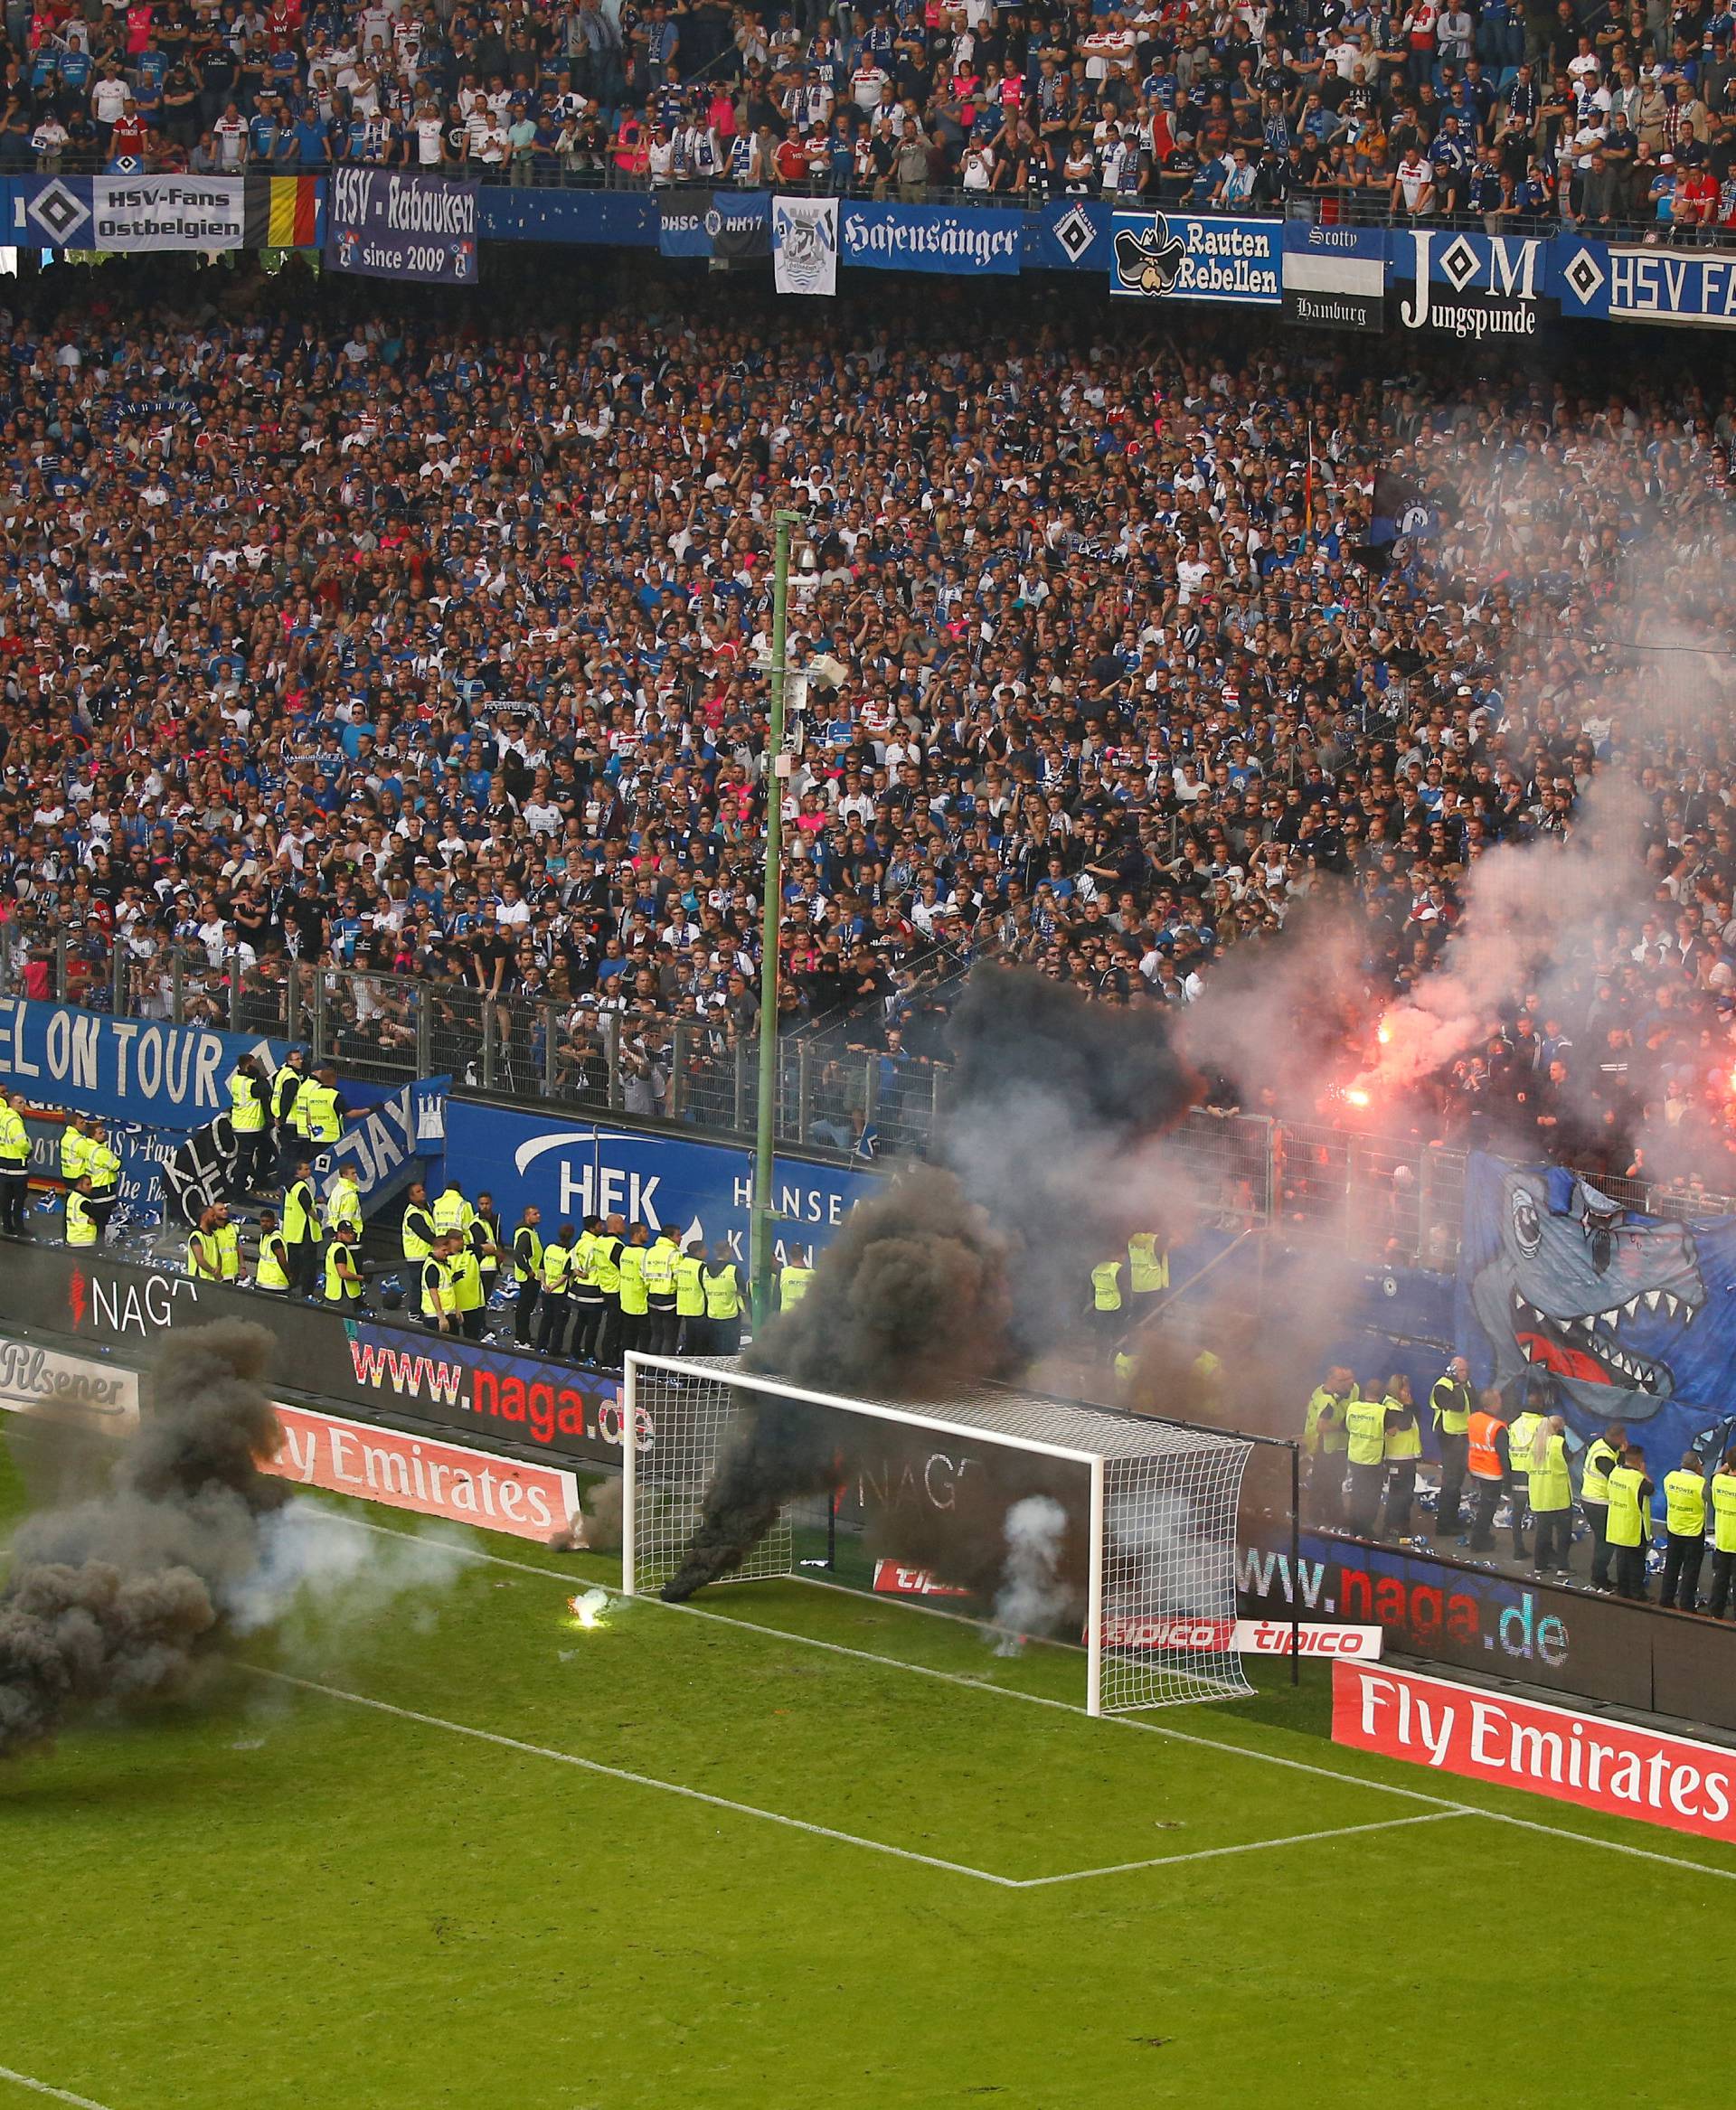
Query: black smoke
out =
(909, 1298)
(961, 1273)
(111, 1600)
(1055, 1104)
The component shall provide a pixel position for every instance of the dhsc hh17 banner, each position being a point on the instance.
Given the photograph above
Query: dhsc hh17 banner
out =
(380, 224)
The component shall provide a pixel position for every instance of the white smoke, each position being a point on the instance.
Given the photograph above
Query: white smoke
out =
(1031, 1599)
(316, 1564)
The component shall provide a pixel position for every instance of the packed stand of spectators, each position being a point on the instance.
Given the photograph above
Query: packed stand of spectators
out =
(1605, 117)
(433, 650)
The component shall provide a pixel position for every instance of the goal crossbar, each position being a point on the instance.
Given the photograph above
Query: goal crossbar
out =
(1159, 1499)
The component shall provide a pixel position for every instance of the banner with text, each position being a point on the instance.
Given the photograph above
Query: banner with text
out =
(1592, 1761)
(1334, 277)
(1471, 286)
(932, 238)
(146, 215)
(380, 224)
(1177, 256)
(376, 1368)
(429, 1479)
(572, 1170)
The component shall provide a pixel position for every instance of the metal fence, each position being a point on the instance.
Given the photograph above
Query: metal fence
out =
(1398, 1199)
(697, 1072)
(1375, 1198)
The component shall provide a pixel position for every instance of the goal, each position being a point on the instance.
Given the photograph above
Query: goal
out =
(1032, 1517)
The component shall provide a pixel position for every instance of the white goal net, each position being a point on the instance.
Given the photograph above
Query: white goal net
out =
(1111, 1530)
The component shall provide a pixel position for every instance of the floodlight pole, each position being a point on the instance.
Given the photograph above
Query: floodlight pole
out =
(785, 522)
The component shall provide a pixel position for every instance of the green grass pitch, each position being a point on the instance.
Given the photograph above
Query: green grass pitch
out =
(287, 1899)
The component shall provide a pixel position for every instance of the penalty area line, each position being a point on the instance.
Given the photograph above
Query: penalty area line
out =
(668, 1787)
(1441, 1804)
(22, 2080)
(1166, 1861)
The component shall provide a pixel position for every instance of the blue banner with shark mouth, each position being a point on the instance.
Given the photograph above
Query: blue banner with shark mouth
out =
(1612, 1315)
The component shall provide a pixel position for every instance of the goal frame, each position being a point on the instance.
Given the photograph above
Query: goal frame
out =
(721, 1370)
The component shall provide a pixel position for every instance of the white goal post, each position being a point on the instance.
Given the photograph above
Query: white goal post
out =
(1137, 1562)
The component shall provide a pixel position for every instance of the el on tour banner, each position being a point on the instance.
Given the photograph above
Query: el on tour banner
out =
(1592, 1761)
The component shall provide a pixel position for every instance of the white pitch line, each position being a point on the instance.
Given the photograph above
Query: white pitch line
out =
(1166, 1861)
(668, 1787)
(1124, 1721)
(23, 2080)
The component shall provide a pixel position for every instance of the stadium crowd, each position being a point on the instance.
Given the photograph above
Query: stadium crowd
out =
(432, 648)
(1602, 116)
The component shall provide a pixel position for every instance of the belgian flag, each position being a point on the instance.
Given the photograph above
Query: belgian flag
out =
(282, 213)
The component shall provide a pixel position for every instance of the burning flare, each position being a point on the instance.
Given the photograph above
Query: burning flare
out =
(588, 1607)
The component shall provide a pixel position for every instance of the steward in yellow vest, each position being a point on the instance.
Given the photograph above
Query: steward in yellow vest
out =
(527, 1272)
(416, 1230)
(1325, 1441)
(1630, 1522)
(1684, 1522)
(434, 1283)
(1551, 1496)
(1602, 1455)
(1147, 1264)
(302, 1231)
(1451, 1401)
(72, 1150)
(273, 1270)
(15, 1166)
(690, 1300)
(82, 1227)
(1723, 1490)
(722, 1303)
(469, 1299)
(343, 1285)
(1403, 1448)
(1365, 1425)
(554, 1305)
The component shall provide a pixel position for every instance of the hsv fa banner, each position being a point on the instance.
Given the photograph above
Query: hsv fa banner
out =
(804, 245)
(380, 224)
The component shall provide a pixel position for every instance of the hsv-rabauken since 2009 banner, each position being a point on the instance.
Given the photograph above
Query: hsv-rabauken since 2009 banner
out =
(380, 224)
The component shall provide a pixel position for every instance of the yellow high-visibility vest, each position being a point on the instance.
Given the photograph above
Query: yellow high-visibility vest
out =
(1451, 1403)
(690, 1286)
(416, 1232)
(1522, 1433)
(301, 1214)
(1684, 1504)
(273, 1269)
(1630, 1522)
(101, 1168)
(437, 1287)
(1106, 1286)
(81, 1225)
(723, 1295)
(1400, 1439)
(1724, 1512)
(523, 1269)
(340, 1287)
(73, 1149)
(634, 1303)
(1147, 1268)
(467, 1280)
(557, 1262)
(660, 1268)
(316, 1113)
(14, 1139)
(246, 1108)
(452, 1212)
(1365, 1424)
(1551, 1485)
(344, 1205)
(1594, 1481)
(1332, 1438)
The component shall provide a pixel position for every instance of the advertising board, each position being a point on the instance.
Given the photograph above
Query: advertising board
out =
(1619, 1768)
(414, 1473)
